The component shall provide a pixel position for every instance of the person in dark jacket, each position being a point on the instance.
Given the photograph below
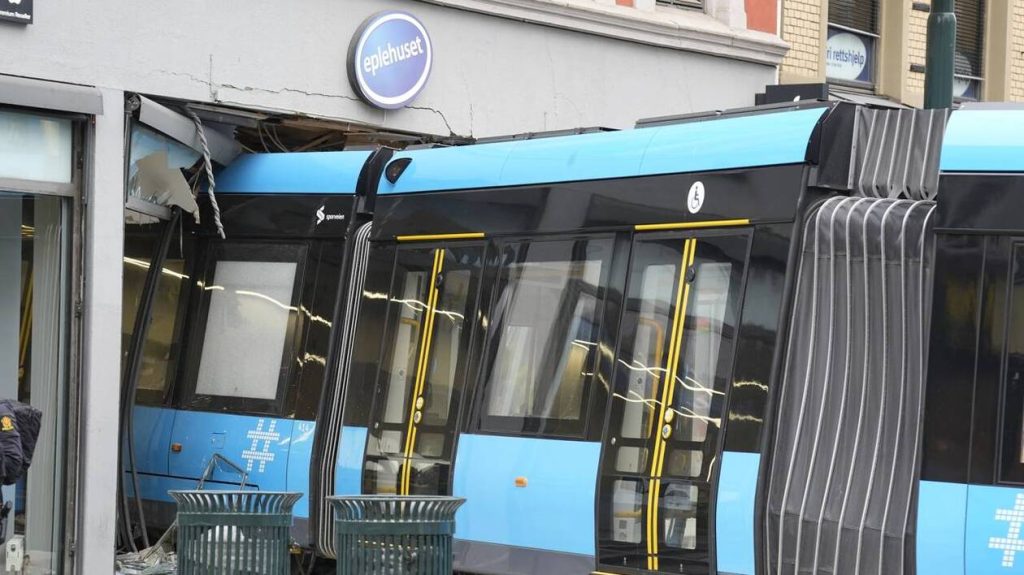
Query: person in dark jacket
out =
(20, 424)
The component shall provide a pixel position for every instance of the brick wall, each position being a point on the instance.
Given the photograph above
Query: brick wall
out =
(917, 47)
(1016, 83)
(801, 28)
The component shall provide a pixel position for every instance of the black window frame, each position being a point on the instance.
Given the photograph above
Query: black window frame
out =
(536, 427)
(252, 251)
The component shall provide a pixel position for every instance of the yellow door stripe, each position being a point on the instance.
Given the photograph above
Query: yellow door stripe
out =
(421, 369)
(692, 225)
(435, 237)
(26, 324)
(686, 300)
(667, 393)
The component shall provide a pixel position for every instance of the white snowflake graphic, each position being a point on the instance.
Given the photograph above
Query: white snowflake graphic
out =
(264, 455)
(1012, 543)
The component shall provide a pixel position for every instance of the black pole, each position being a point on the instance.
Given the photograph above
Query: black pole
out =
(938, 75)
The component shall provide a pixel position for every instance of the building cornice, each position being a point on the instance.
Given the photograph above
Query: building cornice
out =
(667, 27)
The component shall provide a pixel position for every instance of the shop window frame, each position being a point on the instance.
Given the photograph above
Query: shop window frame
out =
(66, 464)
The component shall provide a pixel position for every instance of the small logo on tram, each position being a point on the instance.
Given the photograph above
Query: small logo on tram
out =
(695, 199)
(322, 216)
(263, 455)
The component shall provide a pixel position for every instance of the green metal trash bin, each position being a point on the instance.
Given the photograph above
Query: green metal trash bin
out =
(390, 535)
(234, 532)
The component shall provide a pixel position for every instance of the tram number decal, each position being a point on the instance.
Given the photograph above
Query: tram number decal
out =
(264, 455)
(695, 199)
(1012, 544)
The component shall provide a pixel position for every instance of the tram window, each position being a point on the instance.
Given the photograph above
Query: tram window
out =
(546, 324)
(677, 511)
(447, 345)
(161, 338)
(1013, 401)
(412, 290)
(246, 328)
(627, 510)
(160, 349)
(685, 463)
(697, 385)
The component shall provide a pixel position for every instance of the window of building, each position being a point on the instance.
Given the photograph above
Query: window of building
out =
(852, 42)
(970, 41)
(682, 3)
(543, 348)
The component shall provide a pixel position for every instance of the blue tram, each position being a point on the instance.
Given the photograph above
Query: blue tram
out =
(772, 340)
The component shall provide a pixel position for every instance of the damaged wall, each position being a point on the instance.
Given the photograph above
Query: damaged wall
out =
(491, 75)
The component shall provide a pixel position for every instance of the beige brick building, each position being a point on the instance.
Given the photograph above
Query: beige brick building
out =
(878, 47)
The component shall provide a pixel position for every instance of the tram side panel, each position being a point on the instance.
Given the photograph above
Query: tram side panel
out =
(971, 504)
(251, 323)
(942, 498)
(744, 428)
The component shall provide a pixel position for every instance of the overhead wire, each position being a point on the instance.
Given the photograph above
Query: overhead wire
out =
(208, 165)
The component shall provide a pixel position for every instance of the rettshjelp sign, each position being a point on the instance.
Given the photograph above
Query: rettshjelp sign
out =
(389, 59)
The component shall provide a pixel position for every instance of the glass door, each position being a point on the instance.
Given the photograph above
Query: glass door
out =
(410, 445)
(33, 362)
(661, 444)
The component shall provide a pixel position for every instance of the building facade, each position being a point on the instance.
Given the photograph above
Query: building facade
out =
(88, 90)
(877, 47)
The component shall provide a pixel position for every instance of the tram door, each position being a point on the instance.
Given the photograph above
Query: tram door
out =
(410, 444)
(662, 441)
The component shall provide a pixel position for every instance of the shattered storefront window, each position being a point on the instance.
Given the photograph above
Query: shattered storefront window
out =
(155, 174)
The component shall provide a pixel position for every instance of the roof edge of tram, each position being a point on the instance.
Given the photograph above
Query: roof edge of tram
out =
(984, 138)
(699, 143)
(293, 173)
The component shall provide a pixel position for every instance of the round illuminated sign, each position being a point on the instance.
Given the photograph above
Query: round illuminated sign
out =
(389, 59)
(846, 56)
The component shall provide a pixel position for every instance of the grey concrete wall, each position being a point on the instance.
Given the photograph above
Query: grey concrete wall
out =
(101, 333)
(491, 75)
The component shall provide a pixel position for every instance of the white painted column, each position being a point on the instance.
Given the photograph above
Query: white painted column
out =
(98, 427)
